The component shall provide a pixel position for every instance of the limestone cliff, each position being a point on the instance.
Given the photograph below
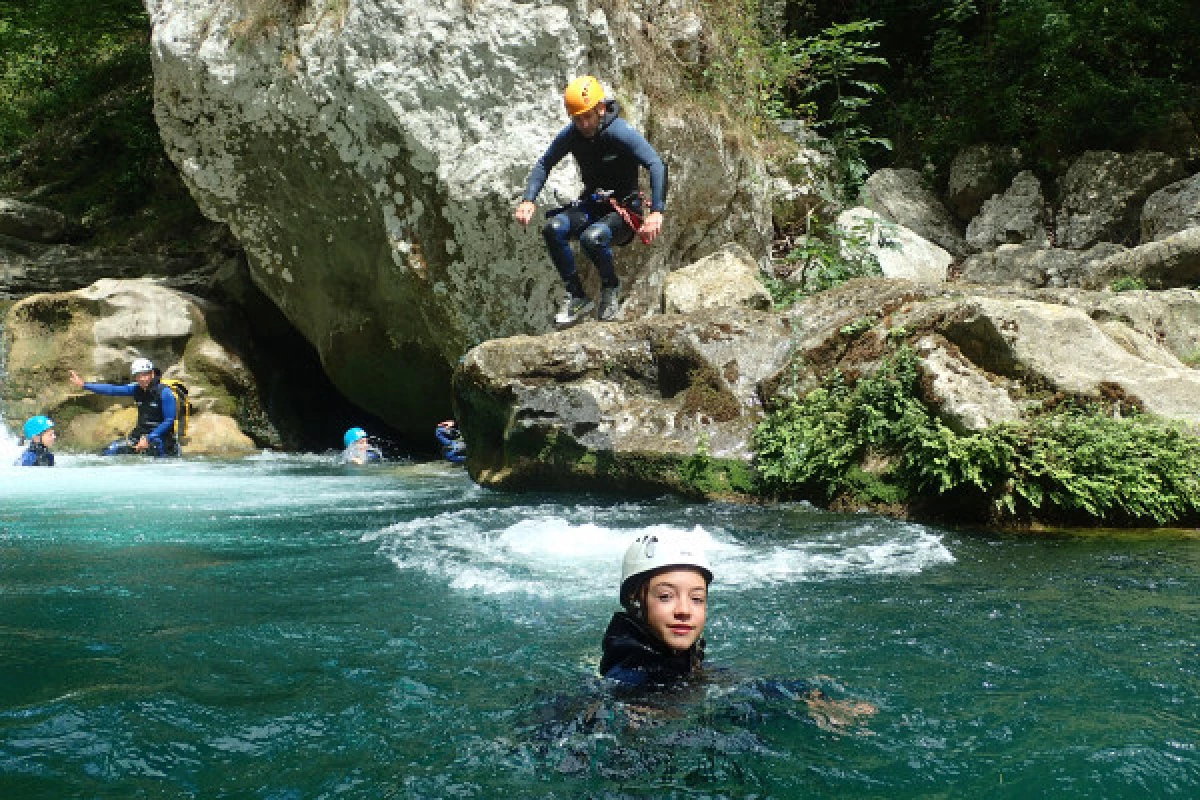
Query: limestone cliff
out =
(368, 155)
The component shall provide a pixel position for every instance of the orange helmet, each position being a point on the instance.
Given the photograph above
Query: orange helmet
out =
(583, 94)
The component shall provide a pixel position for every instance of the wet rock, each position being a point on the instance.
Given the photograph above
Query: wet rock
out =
(729, 277)
(616, 405)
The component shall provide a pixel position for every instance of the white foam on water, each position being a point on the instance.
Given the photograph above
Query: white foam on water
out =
(538, 551)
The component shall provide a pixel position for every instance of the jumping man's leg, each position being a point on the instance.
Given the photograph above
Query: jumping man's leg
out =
(558, 232)
(596, 241)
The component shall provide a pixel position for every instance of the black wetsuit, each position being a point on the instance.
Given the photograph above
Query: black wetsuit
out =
(636, 657)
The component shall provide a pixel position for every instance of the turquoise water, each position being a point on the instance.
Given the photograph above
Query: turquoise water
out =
(282, 627)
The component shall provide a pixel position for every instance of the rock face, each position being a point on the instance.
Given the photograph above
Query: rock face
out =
(1170, 262)
(1033, 267)
(31, 222)
(98, 331)
(624, 406)
(977, 173)
(616, 406)
(1015, 217)
(1171, 209)
(1103, 193)
(727, 278)
(368, 157)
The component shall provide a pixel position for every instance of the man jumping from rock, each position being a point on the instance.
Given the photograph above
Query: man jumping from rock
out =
(609, 211)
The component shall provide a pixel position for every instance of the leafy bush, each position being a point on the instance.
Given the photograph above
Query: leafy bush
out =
(77, 123)
(1127, 283)
(875, 441)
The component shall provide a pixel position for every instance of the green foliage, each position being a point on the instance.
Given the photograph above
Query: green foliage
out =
(825, 257)
(76, 118)
(1127, 283)
(1053, 77)
(704, 475)
(877, 442)
(834, 96)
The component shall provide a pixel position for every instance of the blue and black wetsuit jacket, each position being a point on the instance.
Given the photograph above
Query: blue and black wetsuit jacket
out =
(37, 455)
(156, 409)
(633, 656)
(454, 449)
(609, 161)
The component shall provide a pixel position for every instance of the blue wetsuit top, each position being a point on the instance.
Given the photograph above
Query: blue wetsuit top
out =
(608, 161)
(36, 456)
(167, 404)
(453, 447)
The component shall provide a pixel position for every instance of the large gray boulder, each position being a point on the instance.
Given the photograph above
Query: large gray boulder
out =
(369, 160)
(1170, 262)
(1171, 209)
(976, 173)
(900, 252)
(1102, 195)
(1018, 216)
(617, 405)
(901, 196)
(98, 331)
(1034, 267)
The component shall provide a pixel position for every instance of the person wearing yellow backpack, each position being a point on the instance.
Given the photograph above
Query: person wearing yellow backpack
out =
(157, 409)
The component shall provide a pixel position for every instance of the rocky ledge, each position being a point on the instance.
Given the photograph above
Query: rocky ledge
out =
(636, 405)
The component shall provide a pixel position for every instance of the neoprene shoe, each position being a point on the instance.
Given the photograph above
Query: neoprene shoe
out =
(610, 303)
(573, 310)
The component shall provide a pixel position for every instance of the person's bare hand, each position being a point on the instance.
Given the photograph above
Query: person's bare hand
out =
(651, 227)
(76, 381)
(142, 445)
(525, 211)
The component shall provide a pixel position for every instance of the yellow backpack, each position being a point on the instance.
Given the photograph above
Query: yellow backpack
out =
(183, 408)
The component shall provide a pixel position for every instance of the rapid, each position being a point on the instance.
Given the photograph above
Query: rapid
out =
(287, 627)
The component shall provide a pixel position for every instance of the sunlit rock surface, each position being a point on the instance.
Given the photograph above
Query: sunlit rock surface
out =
(620, 406)
(368, 157)
(98, 331)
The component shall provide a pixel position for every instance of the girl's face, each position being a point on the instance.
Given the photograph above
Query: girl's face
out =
(676, 607)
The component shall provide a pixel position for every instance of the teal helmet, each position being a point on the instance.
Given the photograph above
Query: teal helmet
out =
(352, 436)
(35, 426)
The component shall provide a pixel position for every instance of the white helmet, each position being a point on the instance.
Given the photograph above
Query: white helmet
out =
(141, 365)
(654, 552)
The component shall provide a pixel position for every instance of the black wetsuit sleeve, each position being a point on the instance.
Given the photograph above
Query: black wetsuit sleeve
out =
(648, 157)
(555, 153)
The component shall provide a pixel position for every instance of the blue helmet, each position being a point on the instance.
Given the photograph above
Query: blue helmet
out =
(37, 425)
(352, 436)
